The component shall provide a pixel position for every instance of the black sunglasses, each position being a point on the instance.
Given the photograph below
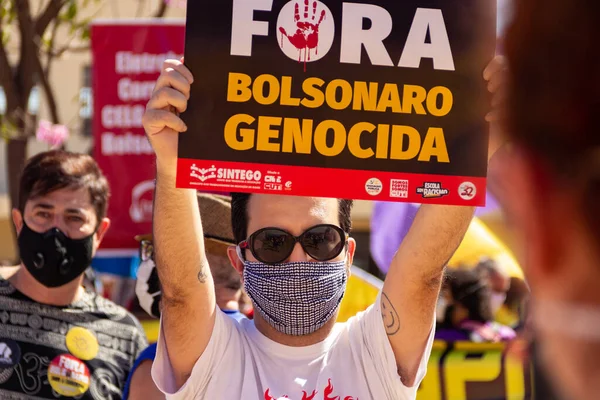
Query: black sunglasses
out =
(274, 245)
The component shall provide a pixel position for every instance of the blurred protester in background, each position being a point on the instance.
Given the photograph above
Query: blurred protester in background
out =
(80, 343)
(218, 235)
(508, 293)
(515, 305)
(498, 281)
(91, 282)
(466, 310)
(553, 174)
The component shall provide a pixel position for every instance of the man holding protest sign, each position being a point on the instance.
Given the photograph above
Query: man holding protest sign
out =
(295, 253)
(293, 348)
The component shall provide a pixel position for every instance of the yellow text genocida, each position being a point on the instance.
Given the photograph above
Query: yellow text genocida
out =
(304, 136)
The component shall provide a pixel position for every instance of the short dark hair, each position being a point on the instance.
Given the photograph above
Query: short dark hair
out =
(239, 215)
(57, 169)
(469, 290)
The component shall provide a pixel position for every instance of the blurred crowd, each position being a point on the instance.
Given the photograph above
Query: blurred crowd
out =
(480, 304)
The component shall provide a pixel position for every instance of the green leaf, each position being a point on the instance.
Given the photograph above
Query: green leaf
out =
(5, 37)
(11, 15)
(7, 11)
(71, 11)
(85, 33)
(7, 129)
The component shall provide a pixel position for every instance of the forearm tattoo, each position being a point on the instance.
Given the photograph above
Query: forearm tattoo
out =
(202, 275)
(391, 320)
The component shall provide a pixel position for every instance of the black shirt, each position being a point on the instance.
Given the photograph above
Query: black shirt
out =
(34, 351)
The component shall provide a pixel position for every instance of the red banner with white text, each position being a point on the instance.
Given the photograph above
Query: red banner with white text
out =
(127, 59)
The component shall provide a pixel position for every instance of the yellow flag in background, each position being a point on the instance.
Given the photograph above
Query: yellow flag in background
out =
(361, 292)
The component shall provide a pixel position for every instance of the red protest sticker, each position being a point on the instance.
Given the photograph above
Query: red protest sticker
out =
(68, 376)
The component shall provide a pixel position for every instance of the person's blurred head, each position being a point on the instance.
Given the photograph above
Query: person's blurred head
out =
(553, 174)
(497, 279)
(469, 297)
(228, 284)
(493, 273)
(61, 215)
(218, 236)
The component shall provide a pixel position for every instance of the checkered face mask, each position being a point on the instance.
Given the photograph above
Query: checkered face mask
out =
(296, 298)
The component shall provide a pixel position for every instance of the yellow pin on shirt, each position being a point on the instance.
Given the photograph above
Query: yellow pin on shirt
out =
(82, 343)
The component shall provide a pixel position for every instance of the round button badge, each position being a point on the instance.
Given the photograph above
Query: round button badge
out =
(68, 375)
(467, 191)
(10, 353)
(82, 343)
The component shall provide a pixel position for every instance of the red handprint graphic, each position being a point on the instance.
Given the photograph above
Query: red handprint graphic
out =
(306, 37)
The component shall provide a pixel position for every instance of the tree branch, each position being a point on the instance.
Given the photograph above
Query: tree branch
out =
(162, 9)
(6, 78)
(44, 73)
(47, 90)
(25, 73)
(48, 15)
(49, 54)
(70, 49)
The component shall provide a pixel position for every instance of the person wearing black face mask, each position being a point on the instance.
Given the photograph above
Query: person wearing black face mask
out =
(52, 257)
(78, 343)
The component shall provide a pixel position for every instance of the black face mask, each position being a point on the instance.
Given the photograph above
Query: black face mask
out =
(52, 258)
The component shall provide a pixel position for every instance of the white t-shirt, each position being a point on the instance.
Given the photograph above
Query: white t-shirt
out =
(355, 362)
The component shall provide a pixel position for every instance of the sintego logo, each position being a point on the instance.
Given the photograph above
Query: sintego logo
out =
(306, 32)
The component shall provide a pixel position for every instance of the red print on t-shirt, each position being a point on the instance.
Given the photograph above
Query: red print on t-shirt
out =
(327, 393)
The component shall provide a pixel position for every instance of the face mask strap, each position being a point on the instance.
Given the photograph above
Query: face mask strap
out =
(239, 253)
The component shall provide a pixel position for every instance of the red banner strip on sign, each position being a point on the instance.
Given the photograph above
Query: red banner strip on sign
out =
(229, 176)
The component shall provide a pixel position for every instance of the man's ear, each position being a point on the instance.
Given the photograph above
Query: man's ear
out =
(101, 231)
(235, 261)
(17, 218)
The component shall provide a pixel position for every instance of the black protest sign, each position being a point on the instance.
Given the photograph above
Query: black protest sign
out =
(372, 100)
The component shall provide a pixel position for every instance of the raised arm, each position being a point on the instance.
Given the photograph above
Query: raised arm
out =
(188, 298)
(412, 285)
(413, 282)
